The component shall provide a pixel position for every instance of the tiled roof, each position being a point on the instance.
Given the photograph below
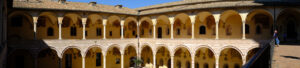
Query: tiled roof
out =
(73, 6)
(160, 8)
(221, 4)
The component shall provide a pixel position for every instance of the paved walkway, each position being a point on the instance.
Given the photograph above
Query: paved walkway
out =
(286, 56)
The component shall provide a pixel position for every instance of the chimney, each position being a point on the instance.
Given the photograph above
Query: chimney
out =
(92, 3)
(119, 6)
(62, 1)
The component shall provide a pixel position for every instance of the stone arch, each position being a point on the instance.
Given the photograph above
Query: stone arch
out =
(70, 47)
(45, 22)
(20, 58)
(181, 46)
(251, 53)
(287, 24)
(48, 58)
(114, 45)
(259, 17)
(205, 57)
(93, 46)
(94, 56)
(146, 55)
(130, 27)
(72, 57)
(72, 26)
(182, 57)
(94, 26)
(205, 46)
(130, 45)
(113, 27)
(230, 25)
(233, 47)
(146, 27)
(182, 26)
(163, 27)
(130, 53)
(20, 26)
(230, 57)
(162, 56)
(207, 20)
(113, 54)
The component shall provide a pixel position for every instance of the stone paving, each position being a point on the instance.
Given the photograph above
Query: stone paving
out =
(286, 56)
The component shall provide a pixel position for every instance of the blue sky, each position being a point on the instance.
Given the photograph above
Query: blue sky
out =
(127, 3)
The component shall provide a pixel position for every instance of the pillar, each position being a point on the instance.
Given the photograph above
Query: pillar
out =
(244, 32)
(193, 61)
(154, 26)
(217, 61)
(35, 59)
(244, 16)
(217, 30)
(35, 18)
(83, 62)
(104, 31)
(83, 27)
(172, 61)
(122, 29)
(122, 60)
(104, 59)
(154, 31)
(171, 22)
(244, 60)
(154, 60)
(59, 27)
(217, 19)
(193, 30)
(192, 17)
(104, 28)
(60, 62)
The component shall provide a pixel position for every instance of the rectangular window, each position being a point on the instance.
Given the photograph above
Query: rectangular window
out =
(110, 33)
(142, 31)
(178, 31)
(168, 31)
(98, 59)
(86, 33)
(68, 60)
(19, 61)
(73, 31)
(99, 32)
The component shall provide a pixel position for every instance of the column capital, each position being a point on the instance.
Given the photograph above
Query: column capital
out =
(244, 17)
(154, 21)
(35, 19)
(60, 19)
(122, 22)
(193, 18)
(84, 20)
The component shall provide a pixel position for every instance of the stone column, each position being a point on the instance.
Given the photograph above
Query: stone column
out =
(217, 19)
(60, 62)
(83, 27)
(193, 30)
(217, 30)
(192, 17)
(154, 28)
(59, 27)
(104, 59)
(122, 29)
(244, 16)
(244, 60)
(154, 60)
(193, 61)
(122, 60)
(35, 18)
(172, 61)
(104, 27)
(217, 61)
(35, 59)
(83, 62)
(171, 22)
